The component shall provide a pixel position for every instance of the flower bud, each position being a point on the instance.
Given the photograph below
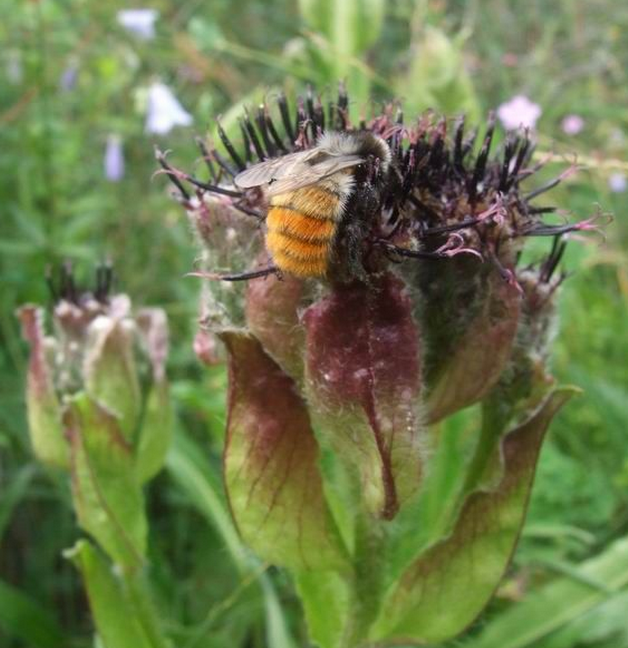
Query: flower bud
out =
(109, 371)
(90, 411)
(43, 407)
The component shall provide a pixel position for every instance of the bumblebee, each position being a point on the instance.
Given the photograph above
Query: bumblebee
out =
(308, 192)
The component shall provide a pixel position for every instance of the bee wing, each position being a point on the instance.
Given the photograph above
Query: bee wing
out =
(307, 174)
(294, 171)
(269, 170)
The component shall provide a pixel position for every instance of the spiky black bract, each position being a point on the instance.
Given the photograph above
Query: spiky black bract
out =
(447, 214)
(443, 195)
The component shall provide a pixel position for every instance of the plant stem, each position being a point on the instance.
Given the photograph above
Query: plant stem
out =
(367, 581)
(494, 422)
(143, 608)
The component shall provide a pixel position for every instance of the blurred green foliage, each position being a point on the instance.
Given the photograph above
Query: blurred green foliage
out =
(70, 76)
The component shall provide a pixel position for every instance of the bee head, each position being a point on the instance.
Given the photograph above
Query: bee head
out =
(363, 143)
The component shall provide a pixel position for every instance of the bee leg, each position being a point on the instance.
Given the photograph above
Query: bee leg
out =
(242, 276)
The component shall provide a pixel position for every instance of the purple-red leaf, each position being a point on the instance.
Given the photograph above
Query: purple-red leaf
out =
(480, 354)
(271, 464)
(272, 316)
(364, 382)
(44, 409)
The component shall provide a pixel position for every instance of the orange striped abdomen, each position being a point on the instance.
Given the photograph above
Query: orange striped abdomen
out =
(301, 229)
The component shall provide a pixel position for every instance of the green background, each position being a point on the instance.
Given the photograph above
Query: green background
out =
(569, 56)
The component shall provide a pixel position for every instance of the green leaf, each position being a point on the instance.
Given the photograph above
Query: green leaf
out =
(604, 623)
(428, 517)
(325, 620)
(110, 373)
(199, 29)
(437, 77)
(107, 496)
(197, 479)
(156, 432)
(561, 601)
(271, 465)
(108, 600)
(186, 465)
(351, 25)
(445, 589)
(318, 14)
(23, 618)
(13, 493)
(277, 633)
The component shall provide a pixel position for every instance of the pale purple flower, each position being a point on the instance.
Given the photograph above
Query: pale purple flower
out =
(140, 22)
(519, 112)
(114, 159)
(572, 124)
(617, 182)
(164, 111)
(68, 78)
(14, 68)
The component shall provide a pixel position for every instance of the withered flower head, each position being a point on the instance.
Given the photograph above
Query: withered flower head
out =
(98, 403)
(367, 281)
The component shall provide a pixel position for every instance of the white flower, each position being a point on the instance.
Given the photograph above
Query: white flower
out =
(140, 22)
(114, 159)
(617, 182)
(519, 112)
(164, 111)
(572, 124)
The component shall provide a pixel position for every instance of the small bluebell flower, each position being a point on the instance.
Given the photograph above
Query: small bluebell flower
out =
(114, 159)
(164, 111)
(140, 22)
(14, 68)
(69, 76)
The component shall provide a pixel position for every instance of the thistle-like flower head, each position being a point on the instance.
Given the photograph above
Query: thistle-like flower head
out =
(423, 307)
